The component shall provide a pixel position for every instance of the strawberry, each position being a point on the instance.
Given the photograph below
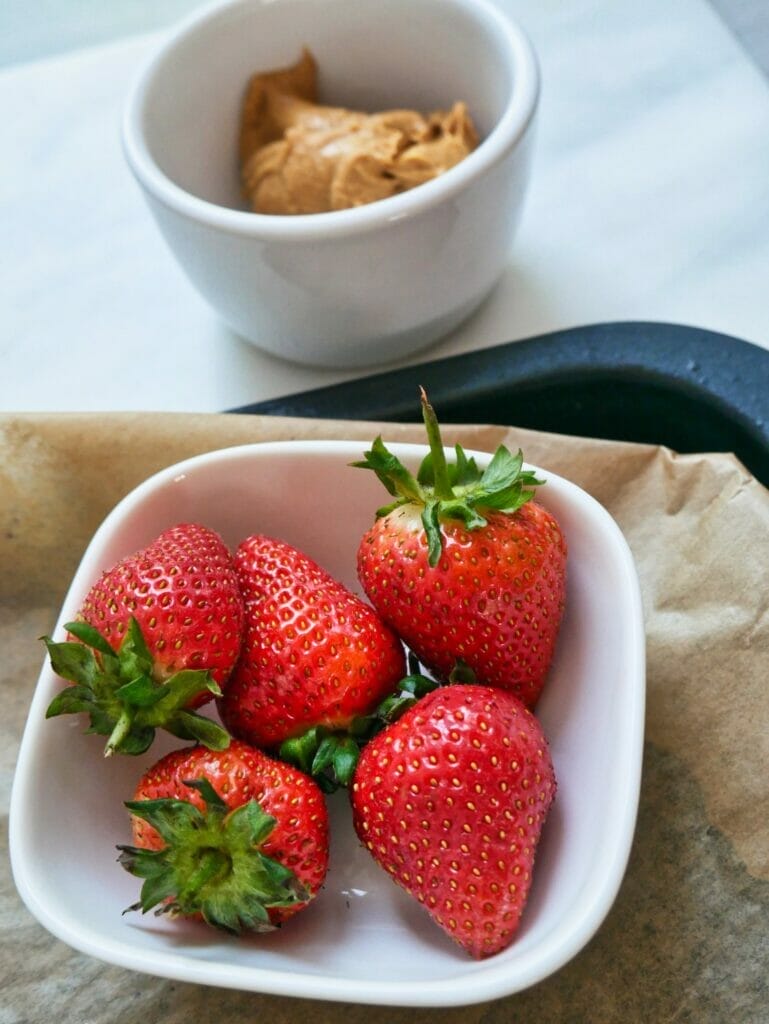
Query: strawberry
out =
(315, 657)
(234, 837)
(465, 567)
(450, 800)
(156, 637)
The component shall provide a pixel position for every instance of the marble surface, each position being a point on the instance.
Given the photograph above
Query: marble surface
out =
(64, 25)
(649, 201)
(749, 21)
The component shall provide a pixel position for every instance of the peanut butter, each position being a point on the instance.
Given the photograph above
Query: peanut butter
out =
(298, 156)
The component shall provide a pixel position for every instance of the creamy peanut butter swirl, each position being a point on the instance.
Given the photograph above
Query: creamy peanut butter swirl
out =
(298, 156)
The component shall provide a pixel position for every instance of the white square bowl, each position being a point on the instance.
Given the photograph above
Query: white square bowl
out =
(364, 940)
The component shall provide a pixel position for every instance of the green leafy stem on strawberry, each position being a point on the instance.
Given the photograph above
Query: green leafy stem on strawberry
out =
(211, 863)
(457, 490)
(331, 756)
(123, 700)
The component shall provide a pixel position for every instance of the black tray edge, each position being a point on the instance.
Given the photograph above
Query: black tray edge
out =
(701, 374)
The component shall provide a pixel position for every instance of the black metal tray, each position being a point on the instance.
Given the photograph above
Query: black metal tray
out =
(659, 383)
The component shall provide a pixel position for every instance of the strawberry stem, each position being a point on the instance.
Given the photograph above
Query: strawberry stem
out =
(211, 863)
(331, 757)
(441, 481)
(119, 733)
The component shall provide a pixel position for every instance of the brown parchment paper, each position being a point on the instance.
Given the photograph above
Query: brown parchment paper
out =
(688, 937)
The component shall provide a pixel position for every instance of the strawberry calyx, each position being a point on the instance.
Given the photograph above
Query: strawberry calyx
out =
(410, 690)
(123, 700)
(331, 757)
(456, 490)
(211, 864)
(328, 756)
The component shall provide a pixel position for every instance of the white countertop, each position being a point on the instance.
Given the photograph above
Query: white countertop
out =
(650, 201)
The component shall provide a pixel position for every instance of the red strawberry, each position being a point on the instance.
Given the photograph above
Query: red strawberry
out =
(156, 636)
(450, 800)
(232, 836)
(315, 658)
(465, 567)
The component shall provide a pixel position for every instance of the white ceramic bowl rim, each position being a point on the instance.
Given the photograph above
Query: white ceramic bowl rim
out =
(508, 130)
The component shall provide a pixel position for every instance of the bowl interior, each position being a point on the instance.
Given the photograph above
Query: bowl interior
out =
(364, 940)
(421, 54)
